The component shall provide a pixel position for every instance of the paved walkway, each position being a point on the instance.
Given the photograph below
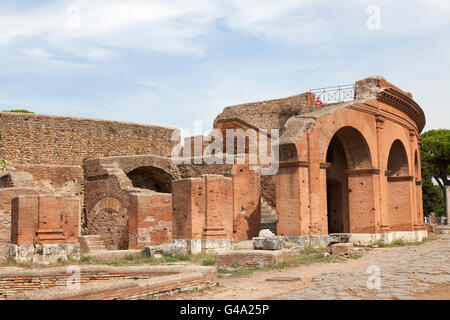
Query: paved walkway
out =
(397, 273)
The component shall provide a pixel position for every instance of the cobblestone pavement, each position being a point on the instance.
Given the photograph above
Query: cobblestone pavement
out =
(401, 273)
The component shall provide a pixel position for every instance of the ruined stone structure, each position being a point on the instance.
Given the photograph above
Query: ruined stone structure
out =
(347, 167)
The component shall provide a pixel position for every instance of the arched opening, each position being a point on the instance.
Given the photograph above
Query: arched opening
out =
(110, 220)
(399, 188)
(397, 161)
(151, 178)
(347, 150)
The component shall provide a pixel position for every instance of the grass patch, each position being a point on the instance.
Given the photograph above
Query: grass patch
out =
(304, 257)
(203, 259)
(402, 243)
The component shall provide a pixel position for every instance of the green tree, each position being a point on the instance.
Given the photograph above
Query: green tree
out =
(435, 154)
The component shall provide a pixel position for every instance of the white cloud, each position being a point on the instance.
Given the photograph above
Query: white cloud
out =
(36, 52)
(177, 26)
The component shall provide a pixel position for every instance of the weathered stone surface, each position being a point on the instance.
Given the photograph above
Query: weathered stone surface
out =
(339, 237)
(192, 246)
(243, 245)
(267, 244)
(252, 258)
(342, 249)
(44, 254)
(216, 245)
(267, 234)
(166, 250)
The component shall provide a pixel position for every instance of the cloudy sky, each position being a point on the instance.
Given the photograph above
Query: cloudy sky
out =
(175, 62)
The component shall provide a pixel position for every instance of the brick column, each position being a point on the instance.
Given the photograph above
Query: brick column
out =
(363, 201)
(292, 198)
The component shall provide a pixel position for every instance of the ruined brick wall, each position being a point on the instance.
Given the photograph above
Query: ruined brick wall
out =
(246, 203)
(268, 190)
(149, 219)
(6, 195)
(56, 179)
(125, 216)
(202, 207)
(32, 138)
(217, 207)
(44, 219)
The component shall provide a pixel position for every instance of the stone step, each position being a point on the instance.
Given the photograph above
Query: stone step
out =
(267, 213)
(92, 243)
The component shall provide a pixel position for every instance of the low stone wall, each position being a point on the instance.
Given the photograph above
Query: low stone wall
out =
(252, 258)
(103, 282)
(45, 253)
(388, 237)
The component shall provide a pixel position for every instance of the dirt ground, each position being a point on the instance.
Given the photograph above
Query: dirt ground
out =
(342, 275)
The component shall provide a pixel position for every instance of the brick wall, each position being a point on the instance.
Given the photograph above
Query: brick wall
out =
(217, 207)
(149, 219)
(102, 282)
(32, 138)
(44, 219)
(6, 195)
(14, 284)
(55, 179)
(202, 208)
(246, 203)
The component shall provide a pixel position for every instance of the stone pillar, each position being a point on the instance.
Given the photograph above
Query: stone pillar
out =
(203, 212)
(382, 182)
(188, 208)
(214, 224)
(49, 222)
(246, 202)
(401, 210)
(317, 189)
(292, 198)
(24, 219)
(149, 219)
(45, 228)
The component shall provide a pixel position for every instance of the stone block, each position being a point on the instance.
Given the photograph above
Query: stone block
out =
(192, 246)
(267, 244)
(44, 254)
(267, 234)
(166, 250)
(319, 241)
(252, 258)
(215, 245)
(340, 237)
(342, 249)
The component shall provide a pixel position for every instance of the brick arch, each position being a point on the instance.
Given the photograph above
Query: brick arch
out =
(130, 163)
(349, 124)
(151, 178)
(356, 149)
(109, 219)
(347, 181)
(397, 163)
(399, 188)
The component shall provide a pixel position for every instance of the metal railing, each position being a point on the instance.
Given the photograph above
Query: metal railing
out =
(335, 94)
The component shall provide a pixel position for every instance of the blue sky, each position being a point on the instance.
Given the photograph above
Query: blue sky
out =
(175, 62)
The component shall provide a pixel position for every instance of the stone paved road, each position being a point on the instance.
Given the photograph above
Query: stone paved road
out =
(405, 273)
